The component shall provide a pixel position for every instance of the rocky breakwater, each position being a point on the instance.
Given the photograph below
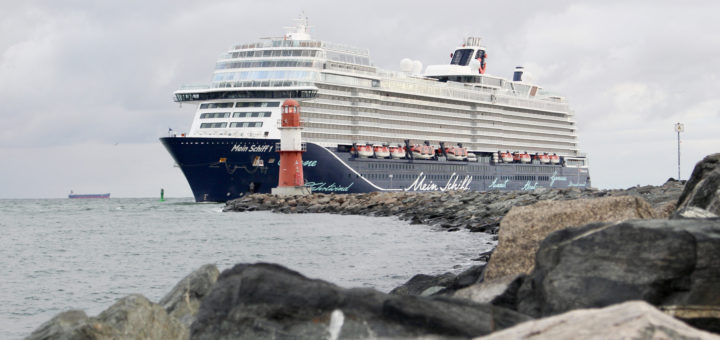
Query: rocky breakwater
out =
(453, 210)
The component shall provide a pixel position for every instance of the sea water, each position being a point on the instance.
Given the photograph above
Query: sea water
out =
(60, 254)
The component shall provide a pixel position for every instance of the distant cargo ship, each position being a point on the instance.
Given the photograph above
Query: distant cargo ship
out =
(74, 195)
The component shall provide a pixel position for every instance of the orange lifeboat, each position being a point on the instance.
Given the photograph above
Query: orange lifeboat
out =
(525, 158)
(365, 151)
(544, 158)
(422, 151)
(456, 153)
(397, 152)
(381, 151)
(506, 157)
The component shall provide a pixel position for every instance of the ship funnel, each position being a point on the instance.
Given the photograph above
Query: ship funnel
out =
(518, 74)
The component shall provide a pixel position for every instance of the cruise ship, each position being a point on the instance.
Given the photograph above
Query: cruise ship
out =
(451, 127)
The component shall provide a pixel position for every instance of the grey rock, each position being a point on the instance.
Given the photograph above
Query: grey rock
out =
(60, 327)
(183, 301)
(450, 317)
(630, 320)
(693, 212)
(270, 301)
(135, 317)
(421, 282)
(663, 262)
(703, 188)
(132, 317)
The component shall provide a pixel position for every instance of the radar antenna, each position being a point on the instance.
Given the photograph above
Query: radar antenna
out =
(301, 31)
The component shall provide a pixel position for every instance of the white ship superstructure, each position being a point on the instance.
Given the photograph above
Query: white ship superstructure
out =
(358, 103)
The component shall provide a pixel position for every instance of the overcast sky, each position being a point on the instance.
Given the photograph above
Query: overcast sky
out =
(85, 87)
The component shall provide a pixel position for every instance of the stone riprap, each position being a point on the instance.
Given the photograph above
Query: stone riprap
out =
(453, 210)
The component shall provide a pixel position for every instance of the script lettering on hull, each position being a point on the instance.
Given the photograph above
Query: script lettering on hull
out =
(309, 163)
(252, 148)
(555, 177)
(496, 185)
(530, 186)
(332, 187)
(454, 183)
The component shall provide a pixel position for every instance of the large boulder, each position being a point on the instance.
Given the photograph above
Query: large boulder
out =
(630, 320)
(270, 301)
(183, 301)
(522, 229)
(132, 317)
(701, 197)
(60, 327)
(663, 262)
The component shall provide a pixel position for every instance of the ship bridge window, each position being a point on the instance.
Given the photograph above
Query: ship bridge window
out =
(257, 104)
(215, 105)
(461, 57)
(251, 114)
(213, 125)
(215, 115)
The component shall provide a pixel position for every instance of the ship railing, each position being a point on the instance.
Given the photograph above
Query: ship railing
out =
(465, 91)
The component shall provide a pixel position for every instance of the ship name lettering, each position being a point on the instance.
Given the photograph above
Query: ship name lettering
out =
(452, 184)
(252, 148)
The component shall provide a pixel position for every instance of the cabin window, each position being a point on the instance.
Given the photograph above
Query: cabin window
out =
(213, 125)
(215, 115)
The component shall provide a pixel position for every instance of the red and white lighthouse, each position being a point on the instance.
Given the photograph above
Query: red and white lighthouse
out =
(290, 177)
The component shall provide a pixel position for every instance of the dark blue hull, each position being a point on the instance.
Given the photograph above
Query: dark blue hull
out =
(220, 169)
